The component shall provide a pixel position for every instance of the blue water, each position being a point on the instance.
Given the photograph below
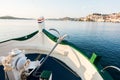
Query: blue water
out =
(93, 37)
(98, 37)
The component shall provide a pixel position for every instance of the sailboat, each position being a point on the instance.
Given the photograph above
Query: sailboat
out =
(43, 56)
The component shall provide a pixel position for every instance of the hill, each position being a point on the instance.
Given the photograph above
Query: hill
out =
(11, 17)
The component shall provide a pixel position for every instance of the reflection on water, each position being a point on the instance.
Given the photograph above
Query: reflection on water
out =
(101, 38)
(16, 28)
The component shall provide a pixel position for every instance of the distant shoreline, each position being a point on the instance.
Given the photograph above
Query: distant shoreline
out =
(95, 17)
(14, 18)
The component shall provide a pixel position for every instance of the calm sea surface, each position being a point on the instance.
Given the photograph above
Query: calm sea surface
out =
(101, 38)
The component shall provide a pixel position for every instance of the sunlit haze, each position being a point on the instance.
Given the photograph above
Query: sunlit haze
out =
(57, 8)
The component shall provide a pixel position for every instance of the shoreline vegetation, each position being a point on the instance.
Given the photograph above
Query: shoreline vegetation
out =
(95, 17)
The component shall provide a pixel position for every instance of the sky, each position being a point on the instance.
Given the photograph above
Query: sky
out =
(57, 8)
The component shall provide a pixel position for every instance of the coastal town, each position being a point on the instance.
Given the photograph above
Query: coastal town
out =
(97, 17)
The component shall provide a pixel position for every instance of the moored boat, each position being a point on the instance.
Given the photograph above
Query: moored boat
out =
(43, 56)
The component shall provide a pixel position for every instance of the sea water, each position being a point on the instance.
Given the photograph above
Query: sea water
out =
(91, 37)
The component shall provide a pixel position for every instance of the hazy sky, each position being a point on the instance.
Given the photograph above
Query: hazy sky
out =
(57, 8)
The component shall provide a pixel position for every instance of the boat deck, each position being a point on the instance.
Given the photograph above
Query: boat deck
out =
(60, 71)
